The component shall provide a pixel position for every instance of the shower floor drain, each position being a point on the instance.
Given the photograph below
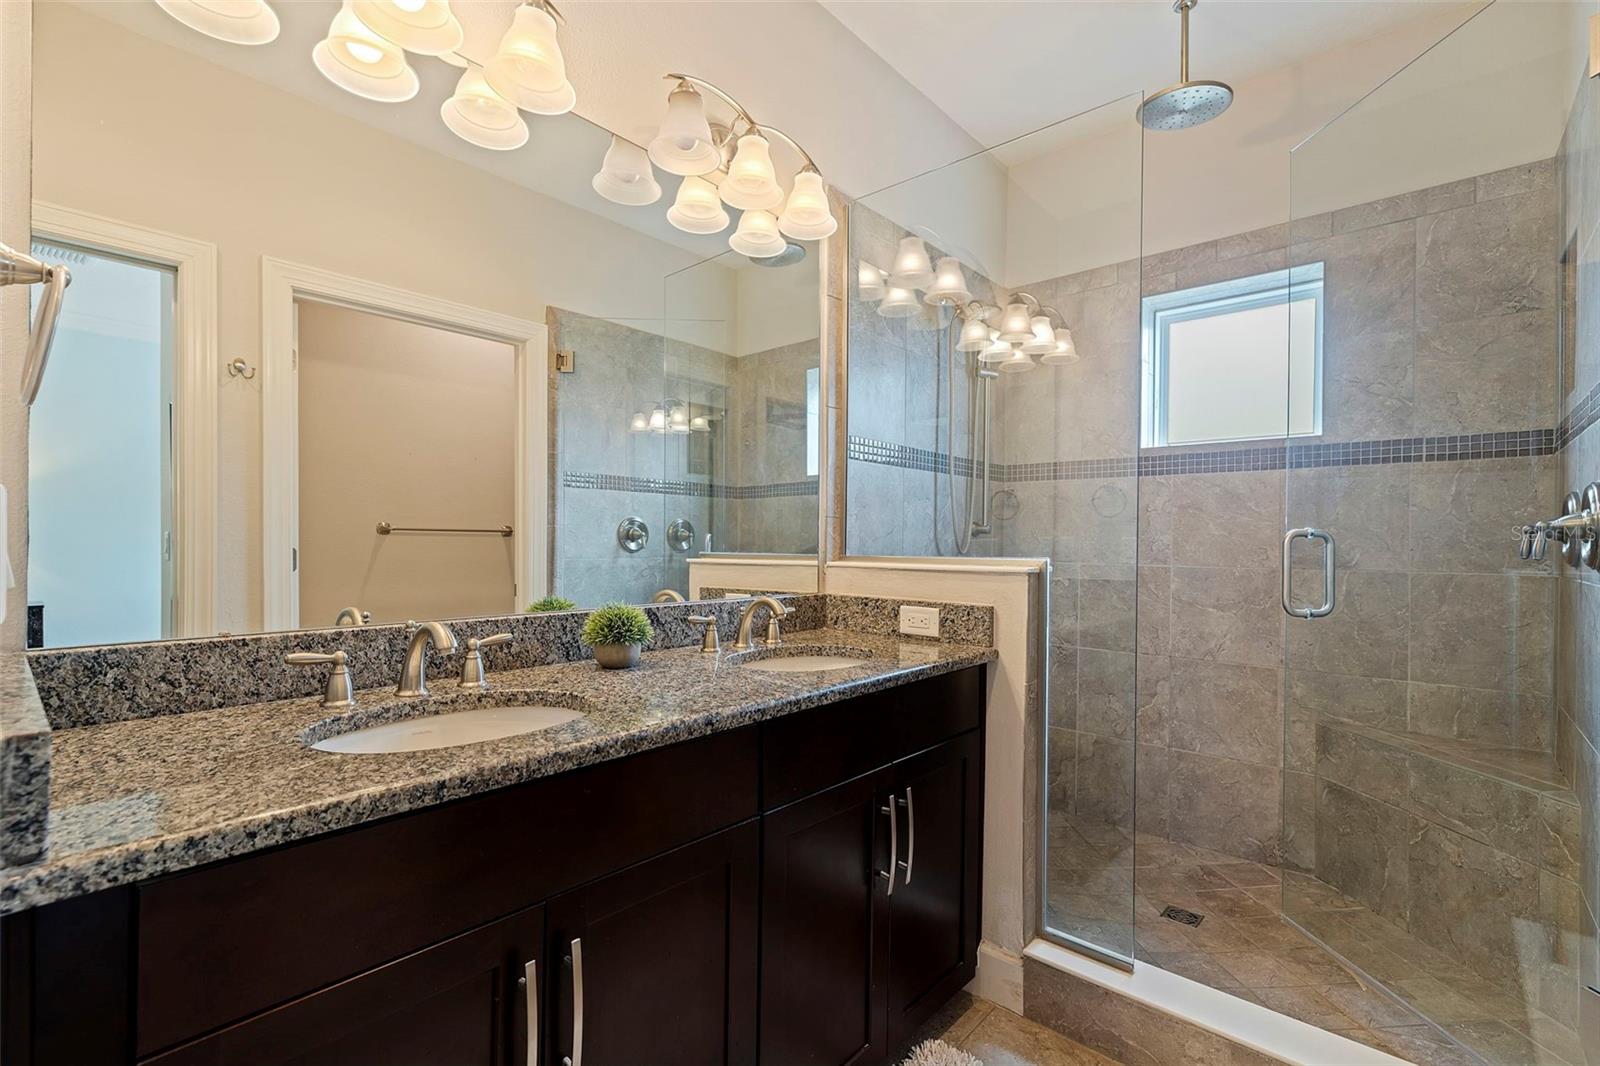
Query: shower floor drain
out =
(1178, 914)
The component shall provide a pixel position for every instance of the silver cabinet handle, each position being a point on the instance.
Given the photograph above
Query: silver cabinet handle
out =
(576, 1058)
(894, 846)
(911, 835)
(1308, 533)
(530, 990)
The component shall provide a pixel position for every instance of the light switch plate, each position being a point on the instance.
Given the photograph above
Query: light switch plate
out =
(919, 621)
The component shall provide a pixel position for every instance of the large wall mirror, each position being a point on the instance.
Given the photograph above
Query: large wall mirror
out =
(323, 361)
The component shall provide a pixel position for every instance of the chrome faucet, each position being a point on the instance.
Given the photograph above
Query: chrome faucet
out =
(743, 641)
(414, 674)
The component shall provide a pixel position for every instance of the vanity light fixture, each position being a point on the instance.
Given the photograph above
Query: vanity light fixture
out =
(912, 269)
(949, 283)
(234, 21)
(528, 68)
(1064, 352)
(870, 280)
(479, 115)
(625, 176)
(426, 27)
(732, 164)
(360, 61)
(975, 335)
(899, 303)
(758, 235)
(696, 208)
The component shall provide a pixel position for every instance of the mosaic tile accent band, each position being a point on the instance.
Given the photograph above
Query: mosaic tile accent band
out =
(1452, 448)
(664, 487)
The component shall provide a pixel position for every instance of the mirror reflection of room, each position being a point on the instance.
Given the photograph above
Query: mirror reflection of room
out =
(344, 380)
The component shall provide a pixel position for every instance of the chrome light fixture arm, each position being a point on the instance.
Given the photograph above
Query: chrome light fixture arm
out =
(745, 116)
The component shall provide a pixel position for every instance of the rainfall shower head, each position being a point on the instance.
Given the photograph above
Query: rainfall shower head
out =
(793, 253)
(1188, 103)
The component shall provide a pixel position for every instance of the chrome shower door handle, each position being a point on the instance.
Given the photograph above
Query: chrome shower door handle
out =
(1326, 607)
(576, 959)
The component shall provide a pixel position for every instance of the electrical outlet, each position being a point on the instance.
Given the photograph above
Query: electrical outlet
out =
(919, 621)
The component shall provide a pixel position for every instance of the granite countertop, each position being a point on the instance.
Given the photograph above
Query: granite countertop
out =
(136, 799)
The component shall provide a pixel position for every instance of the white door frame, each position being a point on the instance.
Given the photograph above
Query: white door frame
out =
(194, 430)
(282, 283)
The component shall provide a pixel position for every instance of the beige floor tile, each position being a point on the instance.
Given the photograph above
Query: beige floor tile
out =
(1306, 1004)
(1256, 969)
(1368, 1006)
(1006, 1039)
(1418, 1043)
(1504, 1046)
(1247, 874)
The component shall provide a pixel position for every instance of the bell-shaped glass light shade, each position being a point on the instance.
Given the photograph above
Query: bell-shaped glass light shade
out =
(997, 352)
(869, 281)
(639, 423)
(1019, 361)
(684, 144)
(528, 68)
(678, 420)
(806, 216)
(975, 335)
(752, 184)
(359, 61)
(1043, 339)
(696, 208)
(899, 303)
(426, 27)
(758, 236)
(479, 115)
(911, 269)
(234, 21)
(1064, 351)
(700, 424)
(625, 176)
(1016, 326)
(658, 420)
(949, 284)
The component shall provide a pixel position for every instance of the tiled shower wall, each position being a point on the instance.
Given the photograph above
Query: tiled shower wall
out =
(744, 482)
(1578, 628)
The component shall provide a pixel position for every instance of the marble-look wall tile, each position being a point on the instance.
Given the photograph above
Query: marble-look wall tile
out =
(1106, 693)
(1120, 1027)
(1233, 520)
(1476, 805)
(1482, 630)
(1488, 258)
(1362, 849)
(1485, 716)
(1362, 764)
(1461, 512)
(1227, 615)
(1406, 205)
(1226, 709)
(1225, 805)
(1366, 507)
(1105, 785)
(1366, 635)
(1475, 902)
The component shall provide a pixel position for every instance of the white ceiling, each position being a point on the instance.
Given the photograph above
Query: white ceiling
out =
(1002, 69)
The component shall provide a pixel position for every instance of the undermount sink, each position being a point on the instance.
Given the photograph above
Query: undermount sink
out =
(804, 661)
(447, 730)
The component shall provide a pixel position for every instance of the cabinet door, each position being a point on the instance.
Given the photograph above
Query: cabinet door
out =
(657, 963)
(824, 927)
(938, 796)
(462, 1001)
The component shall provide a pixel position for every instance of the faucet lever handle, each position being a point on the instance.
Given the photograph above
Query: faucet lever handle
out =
(708, 641)
(340, 691)
(472, 675)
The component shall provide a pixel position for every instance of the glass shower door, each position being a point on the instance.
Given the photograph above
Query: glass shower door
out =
(1429, 834)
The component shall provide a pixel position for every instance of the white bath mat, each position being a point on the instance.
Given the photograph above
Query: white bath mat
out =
(938, 1053)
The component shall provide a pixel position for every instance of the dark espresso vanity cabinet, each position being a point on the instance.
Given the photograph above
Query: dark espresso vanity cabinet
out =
(726, 899)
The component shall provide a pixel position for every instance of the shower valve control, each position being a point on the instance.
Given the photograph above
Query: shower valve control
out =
(919, 621)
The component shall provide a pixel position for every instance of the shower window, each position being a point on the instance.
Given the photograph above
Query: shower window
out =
(1215, 366)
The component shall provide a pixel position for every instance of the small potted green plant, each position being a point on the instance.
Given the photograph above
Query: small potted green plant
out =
(616, 632)
(550, 603)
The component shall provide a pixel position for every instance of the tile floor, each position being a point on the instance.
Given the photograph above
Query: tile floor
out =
(1110, 889)
(996, 1037)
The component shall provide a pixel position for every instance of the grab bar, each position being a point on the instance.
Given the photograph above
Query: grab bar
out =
(20, 268)
(384, 529)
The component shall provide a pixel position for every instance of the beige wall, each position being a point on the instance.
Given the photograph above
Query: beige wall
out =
(414, 426)
(145, 133)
